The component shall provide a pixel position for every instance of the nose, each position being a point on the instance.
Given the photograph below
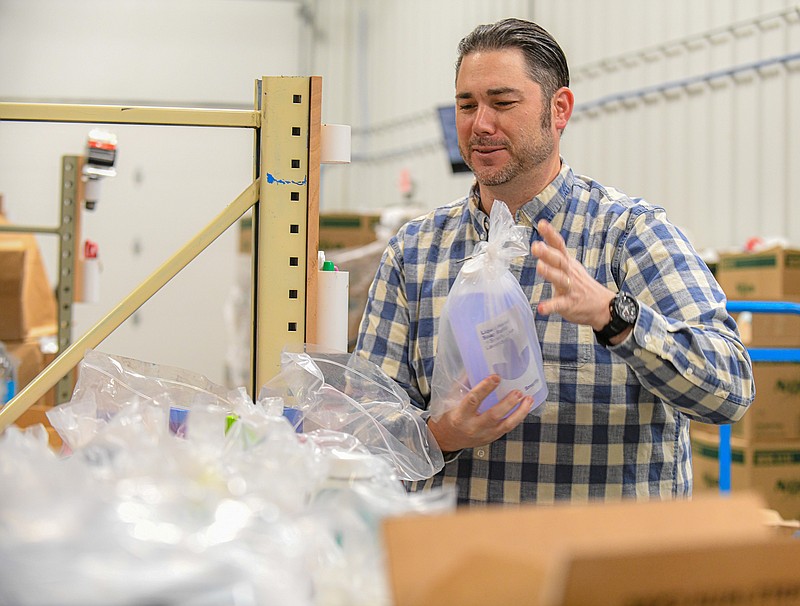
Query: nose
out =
(484, 122)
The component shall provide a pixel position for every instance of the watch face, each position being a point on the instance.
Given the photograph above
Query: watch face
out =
(627, 308)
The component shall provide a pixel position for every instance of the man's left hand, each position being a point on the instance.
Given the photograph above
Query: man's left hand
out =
(577, 296)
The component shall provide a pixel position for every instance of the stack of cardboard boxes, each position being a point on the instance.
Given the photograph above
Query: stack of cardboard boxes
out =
(27, 316)
(765, 444)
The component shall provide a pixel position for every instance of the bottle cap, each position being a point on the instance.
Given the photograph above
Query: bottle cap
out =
(328, 266)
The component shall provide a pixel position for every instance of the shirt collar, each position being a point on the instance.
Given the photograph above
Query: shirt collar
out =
(544, 206)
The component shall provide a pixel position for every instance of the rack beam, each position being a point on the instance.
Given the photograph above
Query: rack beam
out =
(122, 114)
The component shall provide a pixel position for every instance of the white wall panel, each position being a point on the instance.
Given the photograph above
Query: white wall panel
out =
(171, 181)
(715, 153)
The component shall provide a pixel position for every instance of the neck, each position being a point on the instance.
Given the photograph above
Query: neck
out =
(522, 188)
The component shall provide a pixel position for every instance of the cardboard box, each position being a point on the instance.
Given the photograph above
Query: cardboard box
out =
(27, 301)
(770, 275)
(754, 573)
(769, 330)
(632, 553)
(774, 415)
(37, 414)
(346, 230)
(246, 235)
(32, 360)
(772, 469)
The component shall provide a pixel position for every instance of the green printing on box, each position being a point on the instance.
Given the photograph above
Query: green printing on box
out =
(755, 261)
(712, 452)
(766, 458)
(791, 260)
(761, 458)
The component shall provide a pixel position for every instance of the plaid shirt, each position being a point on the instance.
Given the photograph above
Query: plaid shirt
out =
(616, 420)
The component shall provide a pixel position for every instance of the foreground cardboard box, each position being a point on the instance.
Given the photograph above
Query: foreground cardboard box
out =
(611, 554)
(774, 415)
(27, 302)
(772, 469)
(772, 275)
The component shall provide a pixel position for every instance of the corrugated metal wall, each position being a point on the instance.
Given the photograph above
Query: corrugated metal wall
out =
(692, 104)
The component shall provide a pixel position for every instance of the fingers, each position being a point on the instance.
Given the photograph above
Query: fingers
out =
(553, 257)
(511, 410)
(480, 391)
(551, 236)
(465, 427)
(518, 415)
(555, 266)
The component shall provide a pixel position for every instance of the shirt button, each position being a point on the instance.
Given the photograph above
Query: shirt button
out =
(689, 371)
(647, 338)
(637, 352)
(481, 453)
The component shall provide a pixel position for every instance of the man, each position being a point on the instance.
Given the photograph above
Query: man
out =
(634, 332)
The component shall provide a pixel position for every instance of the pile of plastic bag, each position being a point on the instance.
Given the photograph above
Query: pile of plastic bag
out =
(174, 490)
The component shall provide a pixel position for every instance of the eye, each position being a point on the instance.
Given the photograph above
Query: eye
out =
(466, 106)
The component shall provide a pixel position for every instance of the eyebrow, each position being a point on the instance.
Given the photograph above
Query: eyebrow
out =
(492, 92)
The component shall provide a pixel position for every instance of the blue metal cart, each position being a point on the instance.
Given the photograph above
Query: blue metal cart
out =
(757, 354)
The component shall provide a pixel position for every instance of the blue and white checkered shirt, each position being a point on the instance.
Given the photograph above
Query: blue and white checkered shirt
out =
(616, 421)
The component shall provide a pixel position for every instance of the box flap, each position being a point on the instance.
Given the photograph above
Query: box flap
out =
(524, 554)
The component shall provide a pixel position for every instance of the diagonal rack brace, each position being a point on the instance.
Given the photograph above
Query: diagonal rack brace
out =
(70, 357)
(287, 125)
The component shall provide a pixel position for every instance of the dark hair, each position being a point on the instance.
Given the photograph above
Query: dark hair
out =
(547, 64)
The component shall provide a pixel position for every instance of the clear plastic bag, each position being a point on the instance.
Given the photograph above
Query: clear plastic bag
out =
(231, 507)
(345, 393)
(487, 325)
(107, 384)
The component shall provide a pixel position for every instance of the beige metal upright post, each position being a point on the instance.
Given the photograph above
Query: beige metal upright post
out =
(285, 220)
(70, 275)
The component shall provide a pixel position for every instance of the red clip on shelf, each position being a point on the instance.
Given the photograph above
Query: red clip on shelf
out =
(758, 354)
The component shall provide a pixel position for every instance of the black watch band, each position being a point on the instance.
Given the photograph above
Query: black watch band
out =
(624, 311)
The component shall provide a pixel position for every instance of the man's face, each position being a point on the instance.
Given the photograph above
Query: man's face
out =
(504, 126)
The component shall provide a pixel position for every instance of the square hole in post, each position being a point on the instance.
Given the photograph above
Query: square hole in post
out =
(297, 98)
(294, 261)
(294, 228)
(295, 196)
(292, 294)
(295, 131)
(295, 163)
(292, 326)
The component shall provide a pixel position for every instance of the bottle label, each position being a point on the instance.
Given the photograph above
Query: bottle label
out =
(508, 353)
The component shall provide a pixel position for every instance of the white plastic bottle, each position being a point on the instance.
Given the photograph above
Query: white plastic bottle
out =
(8, 375)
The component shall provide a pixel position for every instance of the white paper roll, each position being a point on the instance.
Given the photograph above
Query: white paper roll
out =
(335, 144)
(91, 280)
(333, 297)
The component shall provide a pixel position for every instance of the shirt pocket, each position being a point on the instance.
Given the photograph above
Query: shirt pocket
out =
(563, 343)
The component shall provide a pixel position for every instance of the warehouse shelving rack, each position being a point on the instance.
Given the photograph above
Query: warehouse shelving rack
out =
(284, 196)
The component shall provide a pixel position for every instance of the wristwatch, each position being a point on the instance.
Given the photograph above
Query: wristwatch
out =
(624, 311)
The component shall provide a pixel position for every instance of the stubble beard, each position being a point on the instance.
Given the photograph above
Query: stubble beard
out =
(534, 152)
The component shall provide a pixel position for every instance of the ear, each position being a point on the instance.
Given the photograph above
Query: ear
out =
(563, 104)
